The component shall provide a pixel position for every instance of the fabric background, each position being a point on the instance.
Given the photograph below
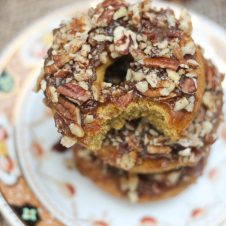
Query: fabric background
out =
(15, 15)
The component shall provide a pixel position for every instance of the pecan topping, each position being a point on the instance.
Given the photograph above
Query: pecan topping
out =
(50, 69)
(62, 74)
(158, 150)
(67, 142)
(77, 25)
(61, 124)
(124, 100)
(106, 17)
(213, 77)
(75, 92)
(152, 93)
(68, 110)
(188, 85)
(114, 3)
(76, 130)
(92, 127)
(61, 59)
(162, 62)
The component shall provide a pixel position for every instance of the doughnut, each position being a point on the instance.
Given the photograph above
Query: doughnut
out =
(136, 187)
(139, 148)
(119, 62)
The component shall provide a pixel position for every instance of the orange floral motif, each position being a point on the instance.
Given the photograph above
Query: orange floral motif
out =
(6, 163)
(37, 149)
(3, 134)
(148, 221)
(197, 212)
(223, 132)
(213, 173)
(100, 223)
(69, 189)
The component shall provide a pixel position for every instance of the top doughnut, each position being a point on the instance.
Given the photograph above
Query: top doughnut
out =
(118, 62)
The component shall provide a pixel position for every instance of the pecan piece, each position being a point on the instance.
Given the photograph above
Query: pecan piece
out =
(76, 130)
(158, 150)
(61, 60)
(93, 127)
(114, 3)
(214, 78)
(188, 85)
(162, 62)
(106, 17)
(62, 74)
(68, 110)
(152, 93)
(50, 69)
(77, 25)
(75, 92)
(124, 100)
(61, 124)
(67, 142)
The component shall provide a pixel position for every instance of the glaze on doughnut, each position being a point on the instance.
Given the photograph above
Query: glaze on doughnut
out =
(120, 62)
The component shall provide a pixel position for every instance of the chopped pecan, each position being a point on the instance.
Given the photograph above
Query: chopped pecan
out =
(67, 141)
(189, 48)
(178, 54)
(188, 85)
(113, 3)
(152, 93)
(96, 88)
(174, 34)
(133, 144)
(162, 62)
(61, 60)
(181, 104)
(68, 110)
(158, 149)
(214, 78)
(53, 94)
(124, 100)
(76, 130)
(77, 25)
(106, 17)
(50, 69)
(128, 160)
(62, 73)
(61, 124)
(122, 12)
(124, 39)
(209, 138)
(92, 127)
(142, 86)
(75, 92)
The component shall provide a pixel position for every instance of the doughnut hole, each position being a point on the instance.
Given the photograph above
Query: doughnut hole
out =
(116, 72)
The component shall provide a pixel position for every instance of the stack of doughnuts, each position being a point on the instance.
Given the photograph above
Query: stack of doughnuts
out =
(133, 95)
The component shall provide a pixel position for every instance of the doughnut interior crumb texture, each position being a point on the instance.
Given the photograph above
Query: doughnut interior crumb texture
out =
(154, 114)
(133, 111)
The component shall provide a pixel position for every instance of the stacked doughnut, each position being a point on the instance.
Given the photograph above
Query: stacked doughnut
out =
(132, 93)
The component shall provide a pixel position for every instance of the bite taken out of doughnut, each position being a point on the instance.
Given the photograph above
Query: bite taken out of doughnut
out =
(120, 62)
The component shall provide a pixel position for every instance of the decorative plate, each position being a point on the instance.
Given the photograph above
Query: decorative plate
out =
(38, 182)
